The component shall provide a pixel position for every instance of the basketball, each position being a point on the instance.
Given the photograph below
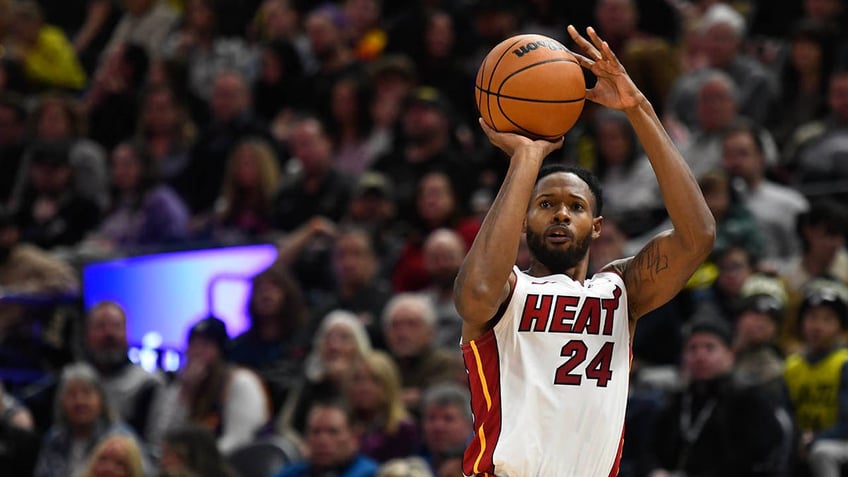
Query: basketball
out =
(532, 85)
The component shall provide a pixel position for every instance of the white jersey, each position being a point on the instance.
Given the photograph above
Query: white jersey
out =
(549, 382)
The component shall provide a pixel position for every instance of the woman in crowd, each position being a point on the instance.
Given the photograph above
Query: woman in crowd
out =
(83, 419)
(230, 401)
(144, 212)
(250, 181)
(340, 340)
(387, 430)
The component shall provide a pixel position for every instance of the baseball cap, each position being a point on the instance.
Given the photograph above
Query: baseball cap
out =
(429, 96)
(212, 329)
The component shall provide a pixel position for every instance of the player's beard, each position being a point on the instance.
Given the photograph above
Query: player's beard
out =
(558, 260)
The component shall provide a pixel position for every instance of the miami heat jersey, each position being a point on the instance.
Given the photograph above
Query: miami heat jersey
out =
(549, 382)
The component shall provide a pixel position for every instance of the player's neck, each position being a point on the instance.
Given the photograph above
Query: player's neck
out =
(576, 273)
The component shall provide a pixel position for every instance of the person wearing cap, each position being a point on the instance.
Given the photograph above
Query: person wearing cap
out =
(229, 400)
(817, 378)
(759, 359)
(713, 427)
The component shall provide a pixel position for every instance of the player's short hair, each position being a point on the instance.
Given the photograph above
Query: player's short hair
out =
(584, 174)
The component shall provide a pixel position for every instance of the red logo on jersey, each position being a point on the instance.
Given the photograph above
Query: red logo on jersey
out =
(566, 314)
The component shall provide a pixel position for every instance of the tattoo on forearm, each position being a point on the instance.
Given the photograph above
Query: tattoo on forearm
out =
(648, 263)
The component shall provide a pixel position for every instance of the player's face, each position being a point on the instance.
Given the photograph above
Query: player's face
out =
(560, 223)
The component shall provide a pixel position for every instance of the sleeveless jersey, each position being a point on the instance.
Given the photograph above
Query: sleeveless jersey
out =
(814, 389)
(549, 381)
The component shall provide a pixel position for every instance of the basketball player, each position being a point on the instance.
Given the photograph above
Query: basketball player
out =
(547, 350)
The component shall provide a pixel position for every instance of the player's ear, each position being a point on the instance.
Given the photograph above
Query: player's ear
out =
(597, 224)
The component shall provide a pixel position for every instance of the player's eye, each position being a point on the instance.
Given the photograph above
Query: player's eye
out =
(545, 204)
(577, 206)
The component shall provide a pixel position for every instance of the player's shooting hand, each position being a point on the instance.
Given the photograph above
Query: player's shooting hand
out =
(614, 88)
(509, 142)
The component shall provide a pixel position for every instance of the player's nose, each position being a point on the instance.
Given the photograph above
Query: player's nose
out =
(561, 214)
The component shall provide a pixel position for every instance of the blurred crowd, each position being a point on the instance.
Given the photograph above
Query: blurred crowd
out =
(346, 134)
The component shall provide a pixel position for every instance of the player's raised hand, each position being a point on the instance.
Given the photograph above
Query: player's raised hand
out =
(509, 142)
(614, 88)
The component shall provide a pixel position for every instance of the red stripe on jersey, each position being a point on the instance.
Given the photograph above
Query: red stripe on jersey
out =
(617, 463)
(482, 364)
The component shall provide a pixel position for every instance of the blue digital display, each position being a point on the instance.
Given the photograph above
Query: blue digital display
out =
(164, 294)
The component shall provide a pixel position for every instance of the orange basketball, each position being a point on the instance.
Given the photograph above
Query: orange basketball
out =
(532, 85)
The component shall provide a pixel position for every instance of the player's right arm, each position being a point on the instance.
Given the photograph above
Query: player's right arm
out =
(485, 278)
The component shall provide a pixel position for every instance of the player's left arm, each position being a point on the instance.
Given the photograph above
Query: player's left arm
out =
(660, 270)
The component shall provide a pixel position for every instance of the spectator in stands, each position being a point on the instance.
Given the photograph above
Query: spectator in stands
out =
(191, 450)
(116, 456)
(775, 207)
(51, 211)
(144, 212)
(722, 34)
(144, 22)
(444, 250)
(13, 142)
(723, 299)
(243, 210)
(816, 156)
(319, 189)
(409, 326)
(822, 231)
(351, 125)
(59, 118)
(276, 342)
(717, 107)
(360, 288)
(611, 245)
(281, 20)
(817, 378)
(333, 445)
(131, 390)
(615, 156)
(112, 101)
(712, 426)
(438, 204)
(166, 130)
(446, 423)
(209, 391)
(385, 427)
(804, 78)
(231, 120)
(84, 418)
(47, 55)
(339, 342)
(198, 43)
(759, 359)
(18, 439)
